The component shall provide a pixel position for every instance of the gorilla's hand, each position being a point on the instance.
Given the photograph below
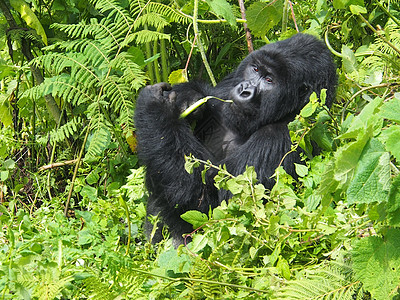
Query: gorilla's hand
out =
(157, 93)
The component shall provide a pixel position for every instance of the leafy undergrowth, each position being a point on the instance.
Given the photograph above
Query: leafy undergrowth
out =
(332, 234)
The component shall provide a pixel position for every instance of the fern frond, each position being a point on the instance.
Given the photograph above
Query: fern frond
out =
(151, 19)
(326, 281)
(133, 75)
(168, 12)
(113, 10)
(66, 130)
(62, 86)
(201, 270)
(392, 33)
(99, 138)
(146, 36)
(96, 52)
(96, 289)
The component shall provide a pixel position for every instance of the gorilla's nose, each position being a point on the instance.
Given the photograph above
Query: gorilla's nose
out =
(244, 92)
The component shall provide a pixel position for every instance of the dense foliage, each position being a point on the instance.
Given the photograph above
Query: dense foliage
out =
(72, 196)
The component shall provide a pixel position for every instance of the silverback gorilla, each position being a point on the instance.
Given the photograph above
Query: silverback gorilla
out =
(268, 89)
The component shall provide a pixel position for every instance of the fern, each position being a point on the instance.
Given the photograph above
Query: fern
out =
(325, 281)
(385, 57)
(93, 71)
(67, 130)
(168, 12)
(146, 36)
(201, 270)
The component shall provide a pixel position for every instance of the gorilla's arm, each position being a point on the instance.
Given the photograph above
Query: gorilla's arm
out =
(164, 140)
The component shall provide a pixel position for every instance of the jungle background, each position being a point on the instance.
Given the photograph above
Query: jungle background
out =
(72, 195)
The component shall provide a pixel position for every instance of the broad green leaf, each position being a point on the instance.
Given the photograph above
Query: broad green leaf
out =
(371, 180)
(349, 60)
(89, 192)
(391, 138)
(29, 17)
(5, 111)
(368, 117)
(357, 9)
(391, 110)
(262, 16)
(376, 263)
(9, 164)
(301, 170)
(347, 157)
(195, 218)
(199, 242)
(178, 76)
(171, 260)
(222, 9)
(393, 206)
(4, 175)
(343, 4)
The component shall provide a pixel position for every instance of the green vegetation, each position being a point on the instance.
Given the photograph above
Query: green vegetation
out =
(72, 196)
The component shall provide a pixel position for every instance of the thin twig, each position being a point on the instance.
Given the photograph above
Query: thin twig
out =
(246, 29)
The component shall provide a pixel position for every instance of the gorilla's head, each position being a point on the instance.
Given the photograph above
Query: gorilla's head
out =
(274, 83)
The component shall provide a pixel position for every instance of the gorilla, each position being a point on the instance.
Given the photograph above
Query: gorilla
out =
(268, 89)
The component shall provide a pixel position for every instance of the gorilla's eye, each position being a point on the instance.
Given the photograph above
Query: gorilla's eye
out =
(268, 79)
(255, 69)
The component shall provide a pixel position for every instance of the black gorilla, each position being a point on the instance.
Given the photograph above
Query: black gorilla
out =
(268, 89)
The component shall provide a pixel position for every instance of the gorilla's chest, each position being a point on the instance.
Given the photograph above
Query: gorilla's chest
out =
(217, 138)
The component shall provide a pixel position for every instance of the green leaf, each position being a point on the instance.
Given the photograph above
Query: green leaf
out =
(371, 181)
(391, 137)
(178, 76)
(195, 218)
(222, 9)
(348, 156)
(283, 268)
(391, 110)
(5, 111)
(171, 260)
(369, 117)
(357, 9)
(393, 206)
(301, 170)
(343, 4)
(349, 60)
(29, 17)
(376, 263)
(262, 16)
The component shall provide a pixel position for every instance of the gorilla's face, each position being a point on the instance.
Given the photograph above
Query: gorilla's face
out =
(272, 84)
(258, 81)
(258, 97)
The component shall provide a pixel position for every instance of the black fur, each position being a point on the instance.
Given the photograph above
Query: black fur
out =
(269, 87)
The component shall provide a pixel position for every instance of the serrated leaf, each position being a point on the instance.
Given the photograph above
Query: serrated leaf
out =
(393, 206)
(371, 180)
(391, 110)
(222, 9)
(195, 218)
(178, 76)
(392, 140)
(29, 17)
(376, 263)
(368, 117)
(262, 16)
(347, 157)
(171, 260)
